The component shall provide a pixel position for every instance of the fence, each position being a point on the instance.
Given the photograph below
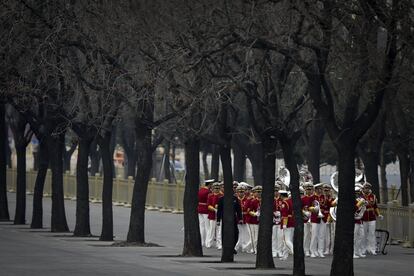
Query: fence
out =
(166, 197)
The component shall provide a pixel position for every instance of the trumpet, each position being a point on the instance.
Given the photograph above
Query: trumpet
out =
(317, 208)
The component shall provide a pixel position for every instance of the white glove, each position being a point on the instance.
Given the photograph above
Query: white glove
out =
(258, 214)
(284, 226)
(380, 217)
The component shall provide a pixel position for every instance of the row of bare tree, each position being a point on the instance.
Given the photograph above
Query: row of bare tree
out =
(255, 76)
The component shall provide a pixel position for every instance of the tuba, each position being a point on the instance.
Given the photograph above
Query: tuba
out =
(359, 175)
(284, 176)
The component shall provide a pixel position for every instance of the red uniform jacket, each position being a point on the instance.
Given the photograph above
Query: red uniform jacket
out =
(326, 205)
(202, 200)
(243, 205)
(287, 213)
(277, 207)
(314, 215)
(372, 208)
(253, 206)
(307, 201)
(212, 201)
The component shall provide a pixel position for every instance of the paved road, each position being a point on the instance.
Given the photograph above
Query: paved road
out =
(38, 252)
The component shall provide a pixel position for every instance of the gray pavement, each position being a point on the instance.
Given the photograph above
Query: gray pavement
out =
(24, 251)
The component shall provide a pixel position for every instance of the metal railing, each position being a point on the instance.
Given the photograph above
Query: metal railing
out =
(167, 197)
(164, 196)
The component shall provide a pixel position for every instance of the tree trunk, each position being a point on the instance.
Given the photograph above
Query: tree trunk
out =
(205, 166)
(167, 165)
(131, 162)
(292, 166)
(136, 232)
(4, 142)
(371, 161)
(317, 132)
(95, 158)
(342, 263)
(239, 164)
(228, 235)
(412, 171)
(264, 257)
(256, 159)
(58, 220)
(404, 175)
(37, 217)
(82, 227)
(215, 162)
(384, 184)
(20, 215)
(107, 233)
(192, 238)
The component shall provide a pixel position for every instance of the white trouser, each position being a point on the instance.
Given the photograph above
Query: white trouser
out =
(358, 239)
(211, 232)
(203, 222)
(328, 240)
(287, 241)
(369, 236)
(277, 236)
(253, 231)
(243, 242)
(218, 236)
(317, 244)
(333, 229)
(307, 237)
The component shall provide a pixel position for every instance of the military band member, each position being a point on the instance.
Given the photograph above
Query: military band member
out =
(359, 229)
(213, 230)
(317, 245)
(203, 210)
(243, 242)
(287, 225)
(307, 202)
(369, 219)
(328, 202)
(253, 210)
(277, 234)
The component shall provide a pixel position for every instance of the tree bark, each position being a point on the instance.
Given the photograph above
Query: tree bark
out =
(4, 141)
(371, 161)
(292, 165)
(384, 184)
(167, 166)
(342, 263)
(256, 160)
(82, 226)
(192, 239)
(58, 220)
(95, 158)
(20, 214)
(264, 257)
(228, 237)
(136, 232)
(205, 165)
(215, 162)
(239, 164)
(108, 175)
(404, 176)
(37, 217)
(317, 132)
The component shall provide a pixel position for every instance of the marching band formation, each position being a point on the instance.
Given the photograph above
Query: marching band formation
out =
(318, 210)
